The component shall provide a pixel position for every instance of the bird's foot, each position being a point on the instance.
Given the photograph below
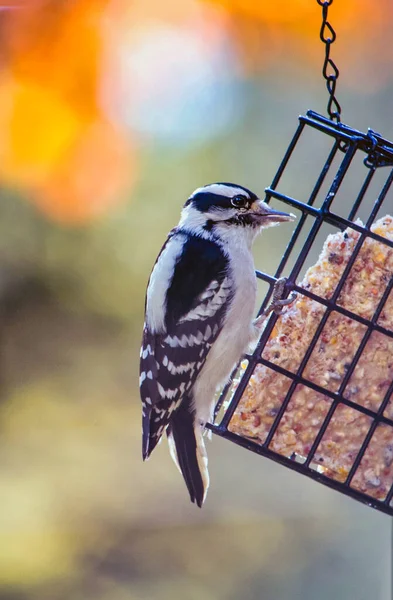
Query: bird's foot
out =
(277, 303)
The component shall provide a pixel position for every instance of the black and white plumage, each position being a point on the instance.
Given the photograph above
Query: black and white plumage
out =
(199, 306)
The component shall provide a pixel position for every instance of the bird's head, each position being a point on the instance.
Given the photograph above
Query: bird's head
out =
(220, 206)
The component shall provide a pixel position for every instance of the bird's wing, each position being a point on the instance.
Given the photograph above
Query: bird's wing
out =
(196, 303)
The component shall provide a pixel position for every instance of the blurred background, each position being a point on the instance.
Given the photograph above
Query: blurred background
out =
(111, 113)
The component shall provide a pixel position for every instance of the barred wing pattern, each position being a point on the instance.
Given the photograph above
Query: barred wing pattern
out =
(171, 361)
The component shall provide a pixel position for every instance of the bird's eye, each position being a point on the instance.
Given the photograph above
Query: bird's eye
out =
(240, 202)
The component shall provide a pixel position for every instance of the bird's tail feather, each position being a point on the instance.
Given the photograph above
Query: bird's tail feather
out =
(151, 435)
(188, 451)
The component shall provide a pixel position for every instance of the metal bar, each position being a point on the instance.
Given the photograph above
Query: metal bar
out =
(361, 194)
(265, 277)
(295, 272)
(385, 295)
(304, 208)
(379, 200)
(338, 130)
(330, 304)
(236, 397)
(344, 224)
(324, 319)
(366, 337)
(299, 379)
(309, 472)
(367, 142)
(389, 496)
(224, 392)
(274, 184)
(287, 155)
(343, 311)
(370, 433)
(310, 202)
(330, 217)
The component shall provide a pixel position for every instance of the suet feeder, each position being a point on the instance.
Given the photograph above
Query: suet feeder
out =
(316, 395)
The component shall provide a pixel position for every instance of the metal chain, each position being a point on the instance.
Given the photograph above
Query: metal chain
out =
(329, 70)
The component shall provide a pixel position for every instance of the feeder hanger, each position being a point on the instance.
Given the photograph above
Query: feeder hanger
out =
(330, 71)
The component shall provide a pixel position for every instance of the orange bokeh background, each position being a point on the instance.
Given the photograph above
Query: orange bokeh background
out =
(58, 144)
(111, 113)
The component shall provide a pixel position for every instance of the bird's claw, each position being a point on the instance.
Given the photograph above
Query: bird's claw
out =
(278, 302)
(276, 305)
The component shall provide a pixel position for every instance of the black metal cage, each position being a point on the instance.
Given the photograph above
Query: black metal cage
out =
(345, 144)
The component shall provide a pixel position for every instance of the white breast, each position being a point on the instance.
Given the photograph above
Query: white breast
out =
(235, 334)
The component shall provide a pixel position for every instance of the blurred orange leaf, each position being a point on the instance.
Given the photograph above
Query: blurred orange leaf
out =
(91, 177)
(37, 128)
(55, 140)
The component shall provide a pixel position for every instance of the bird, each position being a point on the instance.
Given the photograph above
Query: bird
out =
(199, 308)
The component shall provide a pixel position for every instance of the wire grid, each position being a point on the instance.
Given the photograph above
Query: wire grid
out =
(377, 153)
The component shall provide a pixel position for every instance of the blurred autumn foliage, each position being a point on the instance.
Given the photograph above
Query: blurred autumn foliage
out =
(59, 141)
(111, 113)
(58, 144)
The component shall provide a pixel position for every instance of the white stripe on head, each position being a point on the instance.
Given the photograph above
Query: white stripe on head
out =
(222, 190)
(194, 220)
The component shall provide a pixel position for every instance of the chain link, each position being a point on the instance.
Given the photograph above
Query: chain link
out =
(330, 71)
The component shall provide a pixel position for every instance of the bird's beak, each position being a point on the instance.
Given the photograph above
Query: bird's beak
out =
(266, 215)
